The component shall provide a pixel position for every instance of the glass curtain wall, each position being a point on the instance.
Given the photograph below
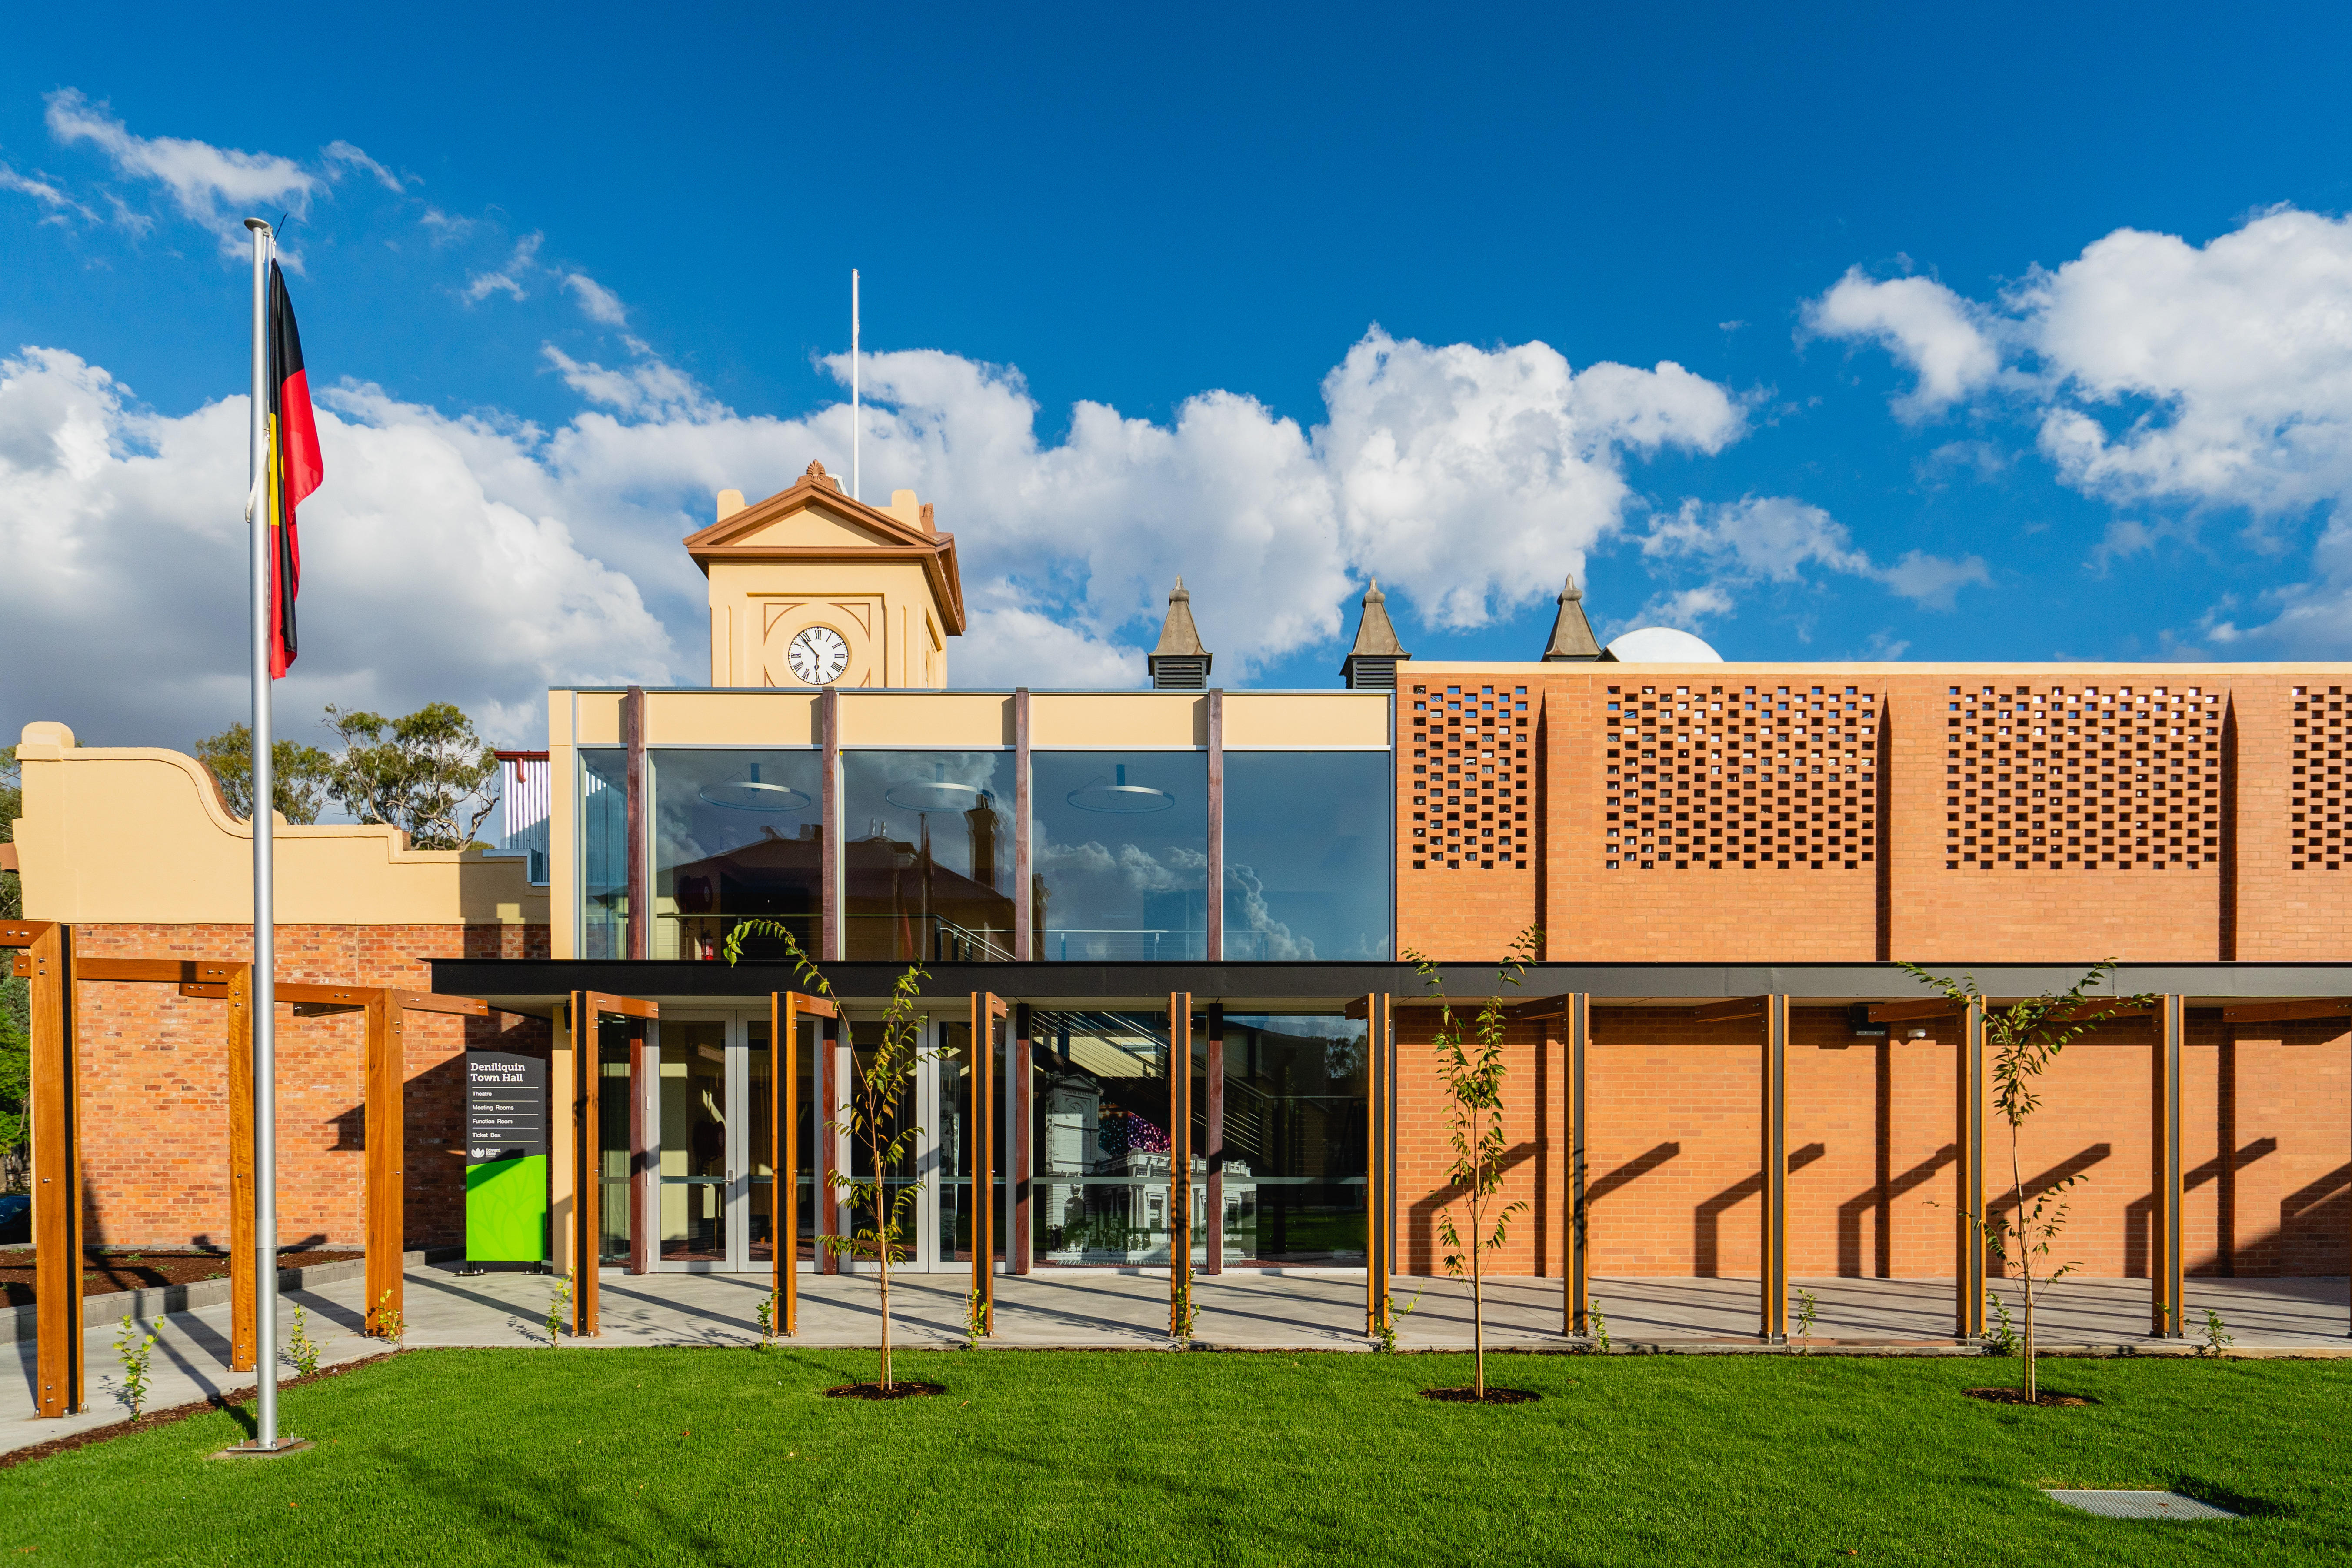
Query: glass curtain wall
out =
(1297, 1101)
(956, 1143)
(1120, 843)
(1309, 854)
(928, 854)
(736, 833)
(1100, 1150)
(603, 854)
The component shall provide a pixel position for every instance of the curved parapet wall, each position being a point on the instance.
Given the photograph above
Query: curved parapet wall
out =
(138, 834)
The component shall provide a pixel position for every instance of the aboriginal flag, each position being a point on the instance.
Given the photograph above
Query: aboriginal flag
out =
(295, 469)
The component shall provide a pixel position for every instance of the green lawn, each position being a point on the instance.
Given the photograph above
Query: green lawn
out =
(729, 1456)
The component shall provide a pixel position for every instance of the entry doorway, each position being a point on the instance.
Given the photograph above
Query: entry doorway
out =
(713, 1206)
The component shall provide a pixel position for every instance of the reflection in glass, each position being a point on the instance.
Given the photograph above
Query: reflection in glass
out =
(956, 1143)
(928, 855)
(613, 1138)
(1100, 1149)
(866, 1039)
(1295, 1140)
(1308, 855)
(603, 854)
(1121, 844)
(735, 834)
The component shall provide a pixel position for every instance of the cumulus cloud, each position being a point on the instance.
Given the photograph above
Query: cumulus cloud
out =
(2209, 376)
(483, 558)
(1927, 326)
(1773, 539)
(198, 175)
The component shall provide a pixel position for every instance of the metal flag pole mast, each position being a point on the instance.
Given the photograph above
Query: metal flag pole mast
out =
(854, 399)
(264, 915)
(856, 402)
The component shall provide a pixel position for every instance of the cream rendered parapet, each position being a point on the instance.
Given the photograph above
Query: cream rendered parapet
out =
(138, 835)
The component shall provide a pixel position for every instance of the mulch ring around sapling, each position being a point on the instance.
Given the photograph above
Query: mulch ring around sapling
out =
(2012, 1395)
(1494, 1395)
(901, 1389)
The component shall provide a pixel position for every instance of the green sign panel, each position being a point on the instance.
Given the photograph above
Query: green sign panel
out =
(506, 1158)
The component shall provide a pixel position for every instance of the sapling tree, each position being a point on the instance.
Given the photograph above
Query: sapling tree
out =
(1470, 1065)
(2026, 1037)
(877, 1090)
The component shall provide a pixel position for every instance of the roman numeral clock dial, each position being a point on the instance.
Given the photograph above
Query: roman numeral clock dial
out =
(818, 655)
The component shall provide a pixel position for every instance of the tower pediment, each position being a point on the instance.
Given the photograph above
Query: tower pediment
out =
(876, 589)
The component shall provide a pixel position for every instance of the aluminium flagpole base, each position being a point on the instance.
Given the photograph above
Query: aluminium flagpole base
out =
(256, 1451)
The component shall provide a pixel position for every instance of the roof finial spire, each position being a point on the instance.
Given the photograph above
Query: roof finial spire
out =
(1572, 635)
(1179, 662)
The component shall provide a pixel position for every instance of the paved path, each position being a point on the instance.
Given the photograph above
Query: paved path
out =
(1238, 1311)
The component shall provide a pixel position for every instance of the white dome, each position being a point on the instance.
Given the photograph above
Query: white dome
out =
(1662, 644)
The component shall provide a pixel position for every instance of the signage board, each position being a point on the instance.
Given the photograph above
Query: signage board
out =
(506, 1158)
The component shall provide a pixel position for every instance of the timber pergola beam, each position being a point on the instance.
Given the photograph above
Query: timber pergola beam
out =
(988, 1010)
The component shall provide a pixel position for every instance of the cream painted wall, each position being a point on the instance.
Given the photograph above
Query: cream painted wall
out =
(138, 835)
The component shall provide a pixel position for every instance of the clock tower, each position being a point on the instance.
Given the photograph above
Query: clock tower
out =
(811, 588)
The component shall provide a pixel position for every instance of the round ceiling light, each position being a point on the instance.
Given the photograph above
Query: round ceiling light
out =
(1120, 797)
(752, 794)
(935, 794)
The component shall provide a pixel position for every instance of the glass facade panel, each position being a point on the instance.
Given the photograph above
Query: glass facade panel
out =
(860, 1213)
(1296, 1128)
(926, 855)
(1100, 1147)
(956, 1144)
(1309, 851)
(735, 834)
(1120, 847)
(603, 854)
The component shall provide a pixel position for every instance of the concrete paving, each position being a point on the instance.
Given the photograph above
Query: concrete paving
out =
(1084, 1310)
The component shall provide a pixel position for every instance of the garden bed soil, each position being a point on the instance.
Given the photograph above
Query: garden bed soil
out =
(1494, 1395)
(2012, 1396)
(170, 1415)
(107, 1273)
(903, 1388)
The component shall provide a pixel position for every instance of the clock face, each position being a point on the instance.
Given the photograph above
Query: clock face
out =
(818, 655)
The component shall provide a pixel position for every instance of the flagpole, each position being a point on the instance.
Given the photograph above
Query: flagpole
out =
(856, 402)
(264, 915)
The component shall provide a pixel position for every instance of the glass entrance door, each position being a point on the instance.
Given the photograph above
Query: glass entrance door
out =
(702, 1127)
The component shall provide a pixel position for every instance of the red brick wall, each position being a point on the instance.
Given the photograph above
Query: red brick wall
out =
(1673, 1148)
(154, 1085)
(1929, 762)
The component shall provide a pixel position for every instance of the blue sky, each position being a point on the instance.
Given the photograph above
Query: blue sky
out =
(1971, 334)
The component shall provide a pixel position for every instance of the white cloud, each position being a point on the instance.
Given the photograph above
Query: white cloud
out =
(2212, 376)
(1761, 539)
(508, 280)
(42, 191)
(125, 539)
(341, 154)
(483, 558)
(1921, 322)
(1471, 479)
(597, 302)
(200, 176)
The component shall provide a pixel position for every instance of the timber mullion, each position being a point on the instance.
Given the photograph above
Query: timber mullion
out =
(57, 1174)
(1214, 1146)
(2166, 1281)
(1774, 1283)
(784, 1156)
(1969, 1274)
(1577, 1284)
(385, 1112)
(587, 1180)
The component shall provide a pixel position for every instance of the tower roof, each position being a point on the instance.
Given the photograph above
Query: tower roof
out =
(1179, 662)
(1375, 634)
(1177, 633)
(1572, 634)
